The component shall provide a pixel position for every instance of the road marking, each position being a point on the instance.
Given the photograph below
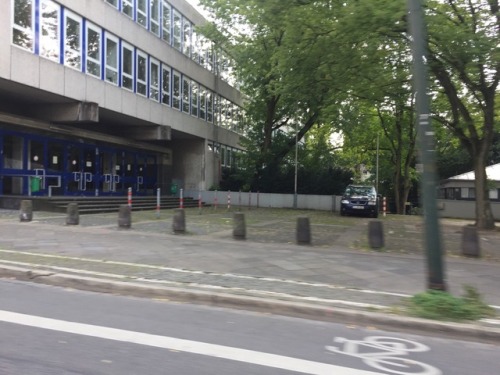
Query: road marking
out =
(187, 346)
(197, 272)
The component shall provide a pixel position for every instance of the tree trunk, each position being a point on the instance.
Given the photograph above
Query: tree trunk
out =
(484, 215)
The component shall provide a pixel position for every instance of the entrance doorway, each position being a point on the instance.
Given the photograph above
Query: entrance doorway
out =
(43, 166)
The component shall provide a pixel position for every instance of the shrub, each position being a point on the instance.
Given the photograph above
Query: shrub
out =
(439, 305)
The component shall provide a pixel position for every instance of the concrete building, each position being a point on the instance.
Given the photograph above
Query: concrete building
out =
(99, 96)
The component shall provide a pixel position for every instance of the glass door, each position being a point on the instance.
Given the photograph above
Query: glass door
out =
(146, 182)
(108, 179)
(81, 172)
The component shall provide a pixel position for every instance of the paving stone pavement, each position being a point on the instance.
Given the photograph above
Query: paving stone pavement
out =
(337, 269)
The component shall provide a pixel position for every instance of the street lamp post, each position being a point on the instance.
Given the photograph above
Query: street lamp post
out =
(427, 148)
(296, 160)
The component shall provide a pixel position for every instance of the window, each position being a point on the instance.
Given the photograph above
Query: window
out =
(154, 79)
(194, 98)
(195, 46)
(142, 73)
(223, 155)
(22, 28)
(49, 30)
(202, 50)
(165, 92)
(113, 2)
(154, 17)
(166, 22)
(93, 50)
(203, 101)
(210, 106)
(176, 91)
(142, 13)
(128, 8)
(127, 66)
(221, 111)
(186, 37)
(210, 58)
(177, 30)
(112, 59)
(73, 40)
(186, 83)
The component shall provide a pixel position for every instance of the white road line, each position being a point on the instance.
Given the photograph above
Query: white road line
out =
(197, 272)
(188, 346)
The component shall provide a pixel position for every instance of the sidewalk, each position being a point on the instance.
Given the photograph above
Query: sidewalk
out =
(336, 278)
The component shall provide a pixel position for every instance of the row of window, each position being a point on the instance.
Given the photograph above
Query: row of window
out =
(229, 156)
(167, 23)
(67, 38)
(465, 193)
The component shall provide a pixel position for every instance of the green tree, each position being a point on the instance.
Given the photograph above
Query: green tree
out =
(464, 57)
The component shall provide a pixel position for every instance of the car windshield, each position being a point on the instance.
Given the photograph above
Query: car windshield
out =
(359, 190)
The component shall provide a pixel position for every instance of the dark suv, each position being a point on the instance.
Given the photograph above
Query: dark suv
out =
(359, 200)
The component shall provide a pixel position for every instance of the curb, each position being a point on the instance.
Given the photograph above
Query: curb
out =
(257, 304)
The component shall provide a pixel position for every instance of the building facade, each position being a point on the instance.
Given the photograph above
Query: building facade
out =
(462, 186)
(98, 96)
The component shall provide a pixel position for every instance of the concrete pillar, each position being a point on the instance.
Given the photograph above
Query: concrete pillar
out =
(124, 216)
(375, 234)
(470, 242)
(72, 214)
(303, 234)
(239, 226)
(179, 221)
(26, 211)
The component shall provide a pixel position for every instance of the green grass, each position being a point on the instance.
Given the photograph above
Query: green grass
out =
(439, 305)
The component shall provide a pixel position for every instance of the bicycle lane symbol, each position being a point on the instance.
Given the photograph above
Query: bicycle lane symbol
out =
(389, 354)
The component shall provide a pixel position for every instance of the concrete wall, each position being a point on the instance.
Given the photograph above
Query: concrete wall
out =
(254, 199)
(461, 209)
(457, 209)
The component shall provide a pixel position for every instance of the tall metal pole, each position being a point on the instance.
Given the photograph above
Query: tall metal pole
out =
(376, 173)
(296, 160)
(427, 147)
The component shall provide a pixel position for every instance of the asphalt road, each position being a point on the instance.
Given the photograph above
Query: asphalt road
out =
(49, 330)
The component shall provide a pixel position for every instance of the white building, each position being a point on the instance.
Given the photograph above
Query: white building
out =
(462, 185)
(97, 96)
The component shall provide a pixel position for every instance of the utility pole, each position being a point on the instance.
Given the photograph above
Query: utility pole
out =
(427, 147)
(296, 166)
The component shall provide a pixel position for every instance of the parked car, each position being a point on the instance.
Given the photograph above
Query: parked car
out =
(359, 200)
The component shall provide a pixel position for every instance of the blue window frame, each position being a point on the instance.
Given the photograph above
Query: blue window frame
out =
(141, 75)
(166, 81)
(72, 40)
(50, 21)
(93, 48)
(127, 66)
(23, 26)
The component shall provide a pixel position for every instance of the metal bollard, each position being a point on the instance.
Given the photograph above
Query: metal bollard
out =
(72, 214)
(179, 221)
(26, 211)
(470, 242)
(239, 226)
(124, 216)
(376, 234)
(303, 231)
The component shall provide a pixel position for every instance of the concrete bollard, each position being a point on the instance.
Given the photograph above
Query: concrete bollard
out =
(124, 216)
(303, 234)
(26, 211)
(239, 226)
(470, 242)
(72, 214)
(376, 234)
(179, 222)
